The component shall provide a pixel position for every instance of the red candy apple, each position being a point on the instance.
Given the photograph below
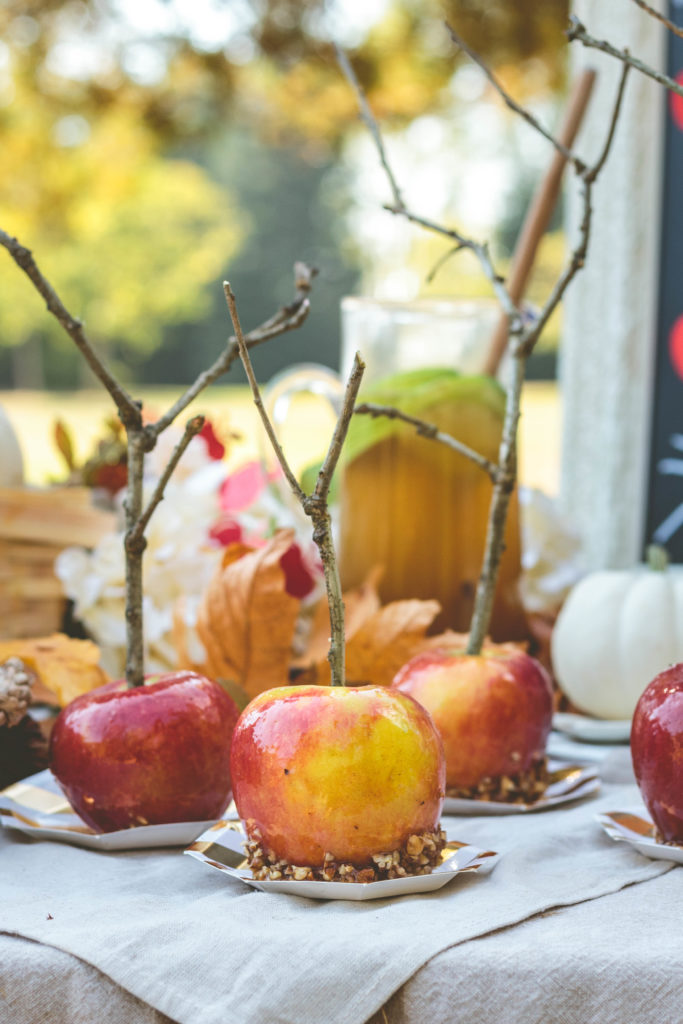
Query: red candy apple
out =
(147, 755)
(657, 751)
(343, 771)
(493, 710)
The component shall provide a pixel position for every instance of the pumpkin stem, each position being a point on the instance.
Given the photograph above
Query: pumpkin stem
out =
(657, 558)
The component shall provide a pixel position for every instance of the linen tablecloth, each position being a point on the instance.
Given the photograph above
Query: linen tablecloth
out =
(200, 948)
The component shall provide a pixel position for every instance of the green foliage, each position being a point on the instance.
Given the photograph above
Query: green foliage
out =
(418, 393)
(129, 239)
(272, 66)
(133, 238)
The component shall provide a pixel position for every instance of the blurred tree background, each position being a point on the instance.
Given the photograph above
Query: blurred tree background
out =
(152, 148)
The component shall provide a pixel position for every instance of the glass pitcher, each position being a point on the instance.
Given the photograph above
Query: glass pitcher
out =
(409, 504)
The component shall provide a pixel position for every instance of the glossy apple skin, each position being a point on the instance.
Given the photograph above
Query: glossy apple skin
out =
(347, 770)
(657, 751)
(149, 755)
(493, 711)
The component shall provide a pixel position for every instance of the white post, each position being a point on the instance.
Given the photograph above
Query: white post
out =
(606, 359)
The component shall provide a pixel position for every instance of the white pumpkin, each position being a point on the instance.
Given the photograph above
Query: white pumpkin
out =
(616, 631)
(11, 461)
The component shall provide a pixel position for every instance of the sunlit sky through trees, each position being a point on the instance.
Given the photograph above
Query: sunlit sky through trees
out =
(152, 148)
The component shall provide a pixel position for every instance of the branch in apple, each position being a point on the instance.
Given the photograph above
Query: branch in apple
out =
(521, 337)
(142, 438)
(315, 505)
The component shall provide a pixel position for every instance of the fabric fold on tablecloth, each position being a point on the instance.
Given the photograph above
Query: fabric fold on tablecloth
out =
(204, 949)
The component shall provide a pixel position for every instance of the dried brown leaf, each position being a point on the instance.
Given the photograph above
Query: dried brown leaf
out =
(359, 604)
(64, 667)
(385, 641)
(246, 619)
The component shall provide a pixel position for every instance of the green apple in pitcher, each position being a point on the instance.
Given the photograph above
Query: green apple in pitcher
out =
(420, 509)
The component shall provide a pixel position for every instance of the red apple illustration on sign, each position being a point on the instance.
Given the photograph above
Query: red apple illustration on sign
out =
(347, 772)
(146, 755)
(657, 751)
(493, 710)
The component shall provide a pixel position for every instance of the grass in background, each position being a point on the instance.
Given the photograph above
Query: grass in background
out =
(33, 415)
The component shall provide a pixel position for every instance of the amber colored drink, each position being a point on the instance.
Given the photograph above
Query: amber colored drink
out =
(419, 509)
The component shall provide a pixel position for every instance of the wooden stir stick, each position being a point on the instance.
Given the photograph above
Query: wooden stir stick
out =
(538, 215)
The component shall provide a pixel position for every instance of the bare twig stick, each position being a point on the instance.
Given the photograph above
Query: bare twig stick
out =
(577, 32)
(503, 487)
(324, 479)
(256, 394)
(137, 519)
(525, 114)
(442, 260)
(431, 431)
(315, 504)
(371, 125)
(286, 319)
(521, 338)
(480, 249)
(538, 215)
(129, 411)
(141, 439)
(676, 29)
(507, 455)
(578, 254)
(316, 507)
(192, 428)
(134, 547)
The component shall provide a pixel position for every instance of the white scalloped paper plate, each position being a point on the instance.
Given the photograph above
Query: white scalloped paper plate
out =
(572, 782)
(220, 847)
(629, 827)
(37, 807)
(592, 730)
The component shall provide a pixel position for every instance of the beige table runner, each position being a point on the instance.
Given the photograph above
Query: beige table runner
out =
(207, 950)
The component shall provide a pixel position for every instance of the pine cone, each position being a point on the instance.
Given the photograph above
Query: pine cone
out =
(15, 691)
(23, 748)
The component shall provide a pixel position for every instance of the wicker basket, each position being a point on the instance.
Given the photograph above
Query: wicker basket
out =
(35, 525)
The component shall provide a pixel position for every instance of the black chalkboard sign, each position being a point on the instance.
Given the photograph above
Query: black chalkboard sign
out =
(664, 510)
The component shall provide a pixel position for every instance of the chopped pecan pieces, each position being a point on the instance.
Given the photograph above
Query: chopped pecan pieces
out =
(419, 856)
(521, 788)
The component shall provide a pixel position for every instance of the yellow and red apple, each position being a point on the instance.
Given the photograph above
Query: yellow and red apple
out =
(345, 771)
(146, 755)
(493, 710)
(657, 751)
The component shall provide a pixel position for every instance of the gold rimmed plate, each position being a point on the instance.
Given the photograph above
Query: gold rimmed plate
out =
(221, 848)
(632, 828)
(37, 807)
(568, 782)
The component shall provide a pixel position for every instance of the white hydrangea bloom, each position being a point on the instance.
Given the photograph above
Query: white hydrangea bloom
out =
(180, 557)
(179, 560)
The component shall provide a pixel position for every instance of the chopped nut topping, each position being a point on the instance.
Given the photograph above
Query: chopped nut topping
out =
(521, 788)
(419, 856)
(657, 835)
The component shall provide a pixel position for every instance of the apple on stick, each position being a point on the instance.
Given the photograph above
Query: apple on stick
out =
(494, 713)
(146, 755)
(657, 751)
(137, 751)
(335, 783)
(330, 778)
